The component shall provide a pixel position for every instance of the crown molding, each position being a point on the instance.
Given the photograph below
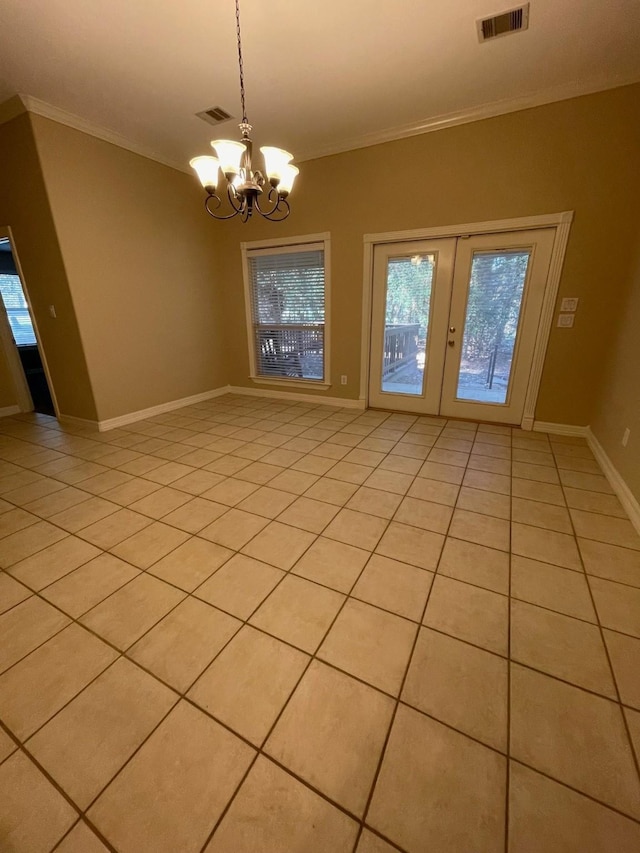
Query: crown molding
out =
(466, 116)
(42, 108)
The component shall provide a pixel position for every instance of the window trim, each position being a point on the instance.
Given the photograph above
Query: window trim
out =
(278, 247)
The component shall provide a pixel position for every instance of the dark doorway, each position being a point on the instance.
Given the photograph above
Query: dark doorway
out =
(24, 337)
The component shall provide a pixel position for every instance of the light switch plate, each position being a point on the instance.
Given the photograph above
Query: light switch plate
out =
(569, 303)
(565, 321)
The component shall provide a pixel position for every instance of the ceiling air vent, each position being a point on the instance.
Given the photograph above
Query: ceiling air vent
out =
(214, 115)
(503, 24)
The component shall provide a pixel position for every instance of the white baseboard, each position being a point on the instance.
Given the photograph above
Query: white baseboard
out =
(625, 495)
(298, 398)
(561, 429)
(9, 410)
(152, 411)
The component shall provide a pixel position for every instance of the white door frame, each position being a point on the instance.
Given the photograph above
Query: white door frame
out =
(562, 224)
(23, 394)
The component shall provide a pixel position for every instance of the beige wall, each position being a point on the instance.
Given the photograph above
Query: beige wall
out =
(618, 401)
(577, 155)
(24, 206)
(140, 257)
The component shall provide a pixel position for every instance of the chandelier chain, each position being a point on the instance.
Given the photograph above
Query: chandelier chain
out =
(240, 63)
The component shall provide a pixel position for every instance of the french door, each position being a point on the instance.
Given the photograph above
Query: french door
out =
(454, 323)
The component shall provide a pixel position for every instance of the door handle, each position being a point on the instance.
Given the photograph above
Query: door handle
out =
(451, 343)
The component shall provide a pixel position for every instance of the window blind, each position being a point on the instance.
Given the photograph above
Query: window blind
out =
(17, 311)
(287, 289)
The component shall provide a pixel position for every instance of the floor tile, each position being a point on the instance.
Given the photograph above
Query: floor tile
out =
(339, 753)
(34, 816)
(249, 682)
(488, 503)
(85, 744)
(434, 491)
(90, 584)
(370, 843)
(275, 812)
(438, 789)
(128, 613)
(40, 684)
(481, 529)
(371, 644)
(443, 473)
(592, 753)
(594, 502)
(114, 528)
(559, 645)
(542, 515)
(128, 493)
(375, 502)
(11, 592)
(170, 795)
(424, 514)
(294, 482)
(476, 564)
(605, 528)
(388, 481)
(533, 491)
(487, 481)
(279, 545)
(267, 502)
(553, 587)
(546, 546)
(143, 549)
(234, 529)
(411, 545)
(463, 686)
(539, 473)
(469, 613)
(47, 566)
(544, 815)
(624, 653)
(84, 514)
(589, 482)
(81, 840)
(16, 519)
(191, 563)
(195, 515)
(23, 544)
(25, 627)
(240, 586)
(298, 612)
(356, 528)
(335, 492)
(618, 606)
(610, 562)
(394, 586)
(179, 647)
(332, 564)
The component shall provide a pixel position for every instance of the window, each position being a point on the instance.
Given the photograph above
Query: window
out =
(286, 290)
(17, 310)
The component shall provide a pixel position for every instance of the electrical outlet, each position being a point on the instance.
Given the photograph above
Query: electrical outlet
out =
(343, 379)
(569, 303)
(565, 321)
(625, 437)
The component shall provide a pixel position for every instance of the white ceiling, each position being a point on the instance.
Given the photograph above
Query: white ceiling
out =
(321, 76)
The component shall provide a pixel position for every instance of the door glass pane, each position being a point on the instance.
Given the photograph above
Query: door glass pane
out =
(494, 300)
(408, 299)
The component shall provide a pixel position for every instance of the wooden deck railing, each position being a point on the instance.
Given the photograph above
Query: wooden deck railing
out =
(400, 346)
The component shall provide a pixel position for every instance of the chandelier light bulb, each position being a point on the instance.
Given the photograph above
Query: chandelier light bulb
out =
(230, 155)
(206, 170)
(287, 177)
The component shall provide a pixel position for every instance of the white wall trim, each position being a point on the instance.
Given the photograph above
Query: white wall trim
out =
(42, 108)
(319, 400)
(626, 497)
(468, 115)
(9, 410)
(560, 429)
(152, 411)
(562, 224)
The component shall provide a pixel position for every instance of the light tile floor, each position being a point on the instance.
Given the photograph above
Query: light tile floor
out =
(259, 627)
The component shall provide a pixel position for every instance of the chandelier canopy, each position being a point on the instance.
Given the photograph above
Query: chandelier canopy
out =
(245, 185)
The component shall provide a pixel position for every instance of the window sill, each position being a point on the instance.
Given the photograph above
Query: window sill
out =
(291, 383)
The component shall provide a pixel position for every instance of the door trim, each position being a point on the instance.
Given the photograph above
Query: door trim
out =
(27, 406)
(561, 222)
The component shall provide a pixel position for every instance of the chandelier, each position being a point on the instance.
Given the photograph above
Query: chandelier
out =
(244, 185)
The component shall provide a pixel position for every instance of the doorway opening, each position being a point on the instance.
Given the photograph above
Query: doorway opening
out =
(19, 338)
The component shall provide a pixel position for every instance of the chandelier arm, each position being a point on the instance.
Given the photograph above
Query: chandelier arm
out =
(281, 207)
(218, 203)
(274, 204)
